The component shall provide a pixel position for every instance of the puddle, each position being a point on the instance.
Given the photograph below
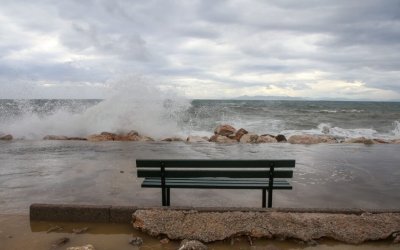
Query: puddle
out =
(17, 232)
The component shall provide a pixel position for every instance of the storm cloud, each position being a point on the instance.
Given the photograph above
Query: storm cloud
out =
(205, 49)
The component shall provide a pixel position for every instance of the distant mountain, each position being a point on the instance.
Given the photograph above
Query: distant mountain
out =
(262, 97)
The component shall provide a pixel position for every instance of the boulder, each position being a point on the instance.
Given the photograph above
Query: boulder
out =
(380, 141)
(6, 137)
(87, 247)
(55, 137)
(192, 245)
(249, 138)
(266, 139)
(146, 138)
(224, 130)
(360, 140)
(101, 137)
(281, 138)
(396, 141)
(240, 133)
(172, 139)
(221, 139)
(197, 139)
(132, 133)
(77, 139)
(311, 139)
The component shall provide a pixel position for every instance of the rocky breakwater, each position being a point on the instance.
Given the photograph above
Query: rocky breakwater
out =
(303, 226)
(107, 136)
(228, 134)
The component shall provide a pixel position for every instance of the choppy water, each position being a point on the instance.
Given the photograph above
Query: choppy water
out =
(163, 116)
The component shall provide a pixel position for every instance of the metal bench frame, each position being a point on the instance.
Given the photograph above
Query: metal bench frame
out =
(215, 174)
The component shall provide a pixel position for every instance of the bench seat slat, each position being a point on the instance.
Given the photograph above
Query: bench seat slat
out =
(143, 163)
(214, 173)
(215, 183)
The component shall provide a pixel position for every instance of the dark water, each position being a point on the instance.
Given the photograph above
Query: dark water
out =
(334, 176)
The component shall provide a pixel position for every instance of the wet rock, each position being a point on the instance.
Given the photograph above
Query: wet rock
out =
(221, 139)
(311, 139)
(164, 241)
(266, 139)
(172, 139)
(104, 136)
(87, 247)
(54, 228)
(240, 133)
(80, 230)
(197, 139)
(380, 141)
(396, 240)
(281, 138)
(136, 241)
(6, 137)
(55, 137)
(60, 242)
(396, 141)
(146, 138)
(192, 245)
(360, 140)
(249, 138)
(77, 139)
(224, 130)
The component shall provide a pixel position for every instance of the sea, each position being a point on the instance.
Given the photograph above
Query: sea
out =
(343, 175)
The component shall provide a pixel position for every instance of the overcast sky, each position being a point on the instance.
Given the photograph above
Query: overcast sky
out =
(202, 49)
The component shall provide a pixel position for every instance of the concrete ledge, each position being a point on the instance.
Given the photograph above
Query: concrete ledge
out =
(123, 214)
(63, 212)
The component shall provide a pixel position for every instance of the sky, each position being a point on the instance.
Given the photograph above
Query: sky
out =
(319, 49)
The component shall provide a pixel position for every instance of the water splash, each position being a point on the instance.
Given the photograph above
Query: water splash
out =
(133, 103)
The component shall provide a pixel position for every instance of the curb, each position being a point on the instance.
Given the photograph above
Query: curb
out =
(123, 214)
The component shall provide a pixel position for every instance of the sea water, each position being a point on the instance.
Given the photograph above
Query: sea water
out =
(33, 170)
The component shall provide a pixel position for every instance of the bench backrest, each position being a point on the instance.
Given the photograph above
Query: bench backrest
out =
(215, 168)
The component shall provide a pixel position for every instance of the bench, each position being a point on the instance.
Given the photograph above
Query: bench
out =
(266, 175)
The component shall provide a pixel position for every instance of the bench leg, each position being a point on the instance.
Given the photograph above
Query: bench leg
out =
(163, 196)
(168, 197)
(270, 198)
(264, 198)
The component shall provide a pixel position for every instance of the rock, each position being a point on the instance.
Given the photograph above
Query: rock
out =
(104, 136)
(136, 241)
(380, 141)
(6, 137)
(192, 245)
(197, 139)
(396, 141)
(80, 230)
(266, 139)
(397, 239)
(132, 133)
(360, 140)
(55, 137)
(164, 241)
(221, 139)
(55, 228)
(240, 133)
(87, 247)
(77, 139)
(146, 138)
(249, 138)
(311, 139)
(60, 242)
(224, 130)
(281, 138)
(172, 139)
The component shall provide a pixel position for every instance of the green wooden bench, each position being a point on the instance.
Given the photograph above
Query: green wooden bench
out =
(266, 175)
